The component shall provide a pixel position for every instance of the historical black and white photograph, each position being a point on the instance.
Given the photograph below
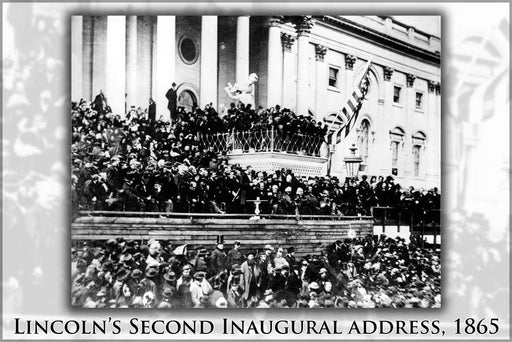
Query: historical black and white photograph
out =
(255, 161)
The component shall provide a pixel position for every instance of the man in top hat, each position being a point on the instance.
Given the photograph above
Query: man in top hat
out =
(172, 96)
(235, 294)
(218, 259)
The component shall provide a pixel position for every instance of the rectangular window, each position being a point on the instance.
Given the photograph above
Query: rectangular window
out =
(333, 77)
(416, 152)
(396, 94)
(394, 154)
(419, 100)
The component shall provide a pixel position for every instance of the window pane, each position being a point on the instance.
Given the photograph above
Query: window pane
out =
(394, 154)
(419, 97)
(333, 77)
(332, 73)
(416, 153)
(396, 94)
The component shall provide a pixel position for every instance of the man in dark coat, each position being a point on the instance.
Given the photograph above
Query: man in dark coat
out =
(218, 259)
(152, 112)
(100, 103)
(171, 96)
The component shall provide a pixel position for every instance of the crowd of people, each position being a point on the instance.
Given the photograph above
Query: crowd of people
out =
(354, 273)
(138, 163)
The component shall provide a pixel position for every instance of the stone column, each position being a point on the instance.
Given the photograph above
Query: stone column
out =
(242, 49)
(76, 57)
(144, 60)
(87, 35)
(384, 127)
(165, 62)
(321, 79)
(131, 61)
(99, 55)
(287, 43)
(436, 113)
(409, 106)
(274, 74)
(209, 43)
(303, 25)
(115, 65)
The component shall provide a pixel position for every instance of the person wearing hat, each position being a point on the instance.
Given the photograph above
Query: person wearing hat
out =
(278, 279)
(200, 262)
(250, 275)
(172, 102)
(279, 260)
(94, 192)
(218, 260)
(120, 277)
(186, 273)
(290, 257)
(264, 267)
(234, 255)
(216, 283)
(183, 288)
(148, 284)
(235, 294)
(199, 287)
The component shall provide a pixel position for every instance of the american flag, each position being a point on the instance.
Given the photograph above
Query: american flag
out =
(338, 130)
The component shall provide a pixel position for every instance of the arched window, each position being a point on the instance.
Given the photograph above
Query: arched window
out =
(188, 100)
(418, 146)
(396, 136)
(363, 140)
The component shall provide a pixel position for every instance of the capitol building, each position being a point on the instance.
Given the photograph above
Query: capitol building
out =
(309, 64)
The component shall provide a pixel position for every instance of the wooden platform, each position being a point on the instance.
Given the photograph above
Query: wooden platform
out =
(307, 236)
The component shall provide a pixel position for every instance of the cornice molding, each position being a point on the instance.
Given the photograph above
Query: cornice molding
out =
(379, 38)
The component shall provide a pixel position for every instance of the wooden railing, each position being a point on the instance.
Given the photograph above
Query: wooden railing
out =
(93, 213)
(421, 223)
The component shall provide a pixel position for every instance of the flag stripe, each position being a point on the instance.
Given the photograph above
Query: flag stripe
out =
(337, 130)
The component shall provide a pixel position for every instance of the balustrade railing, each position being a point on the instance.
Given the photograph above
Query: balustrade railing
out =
(269, 140)
(140, 214)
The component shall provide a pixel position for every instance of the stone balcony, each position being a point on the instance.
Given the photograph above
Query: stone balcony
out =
(271, 150)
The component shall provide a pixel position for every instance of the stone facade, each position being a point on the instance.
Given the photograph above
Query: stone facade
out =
(308, 64)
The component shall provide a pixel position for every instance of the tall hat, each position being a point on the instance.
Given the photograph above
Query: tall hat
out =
(220, 239)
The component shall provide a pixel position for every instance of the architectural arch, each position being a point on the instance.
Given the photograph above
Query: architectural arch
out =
(327, 119)
(364, 141)
(396, 146)
(187, 90)
(418, 153)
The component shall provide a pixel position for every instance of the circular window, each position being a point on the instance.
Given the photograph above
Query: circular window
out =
(188, 50)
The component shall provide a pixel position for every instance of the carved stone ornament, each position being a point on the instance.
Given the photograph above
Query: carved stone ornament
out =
(410, 80)
(287, 41)
(320, 52)
(388, 72)
(350, 61)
